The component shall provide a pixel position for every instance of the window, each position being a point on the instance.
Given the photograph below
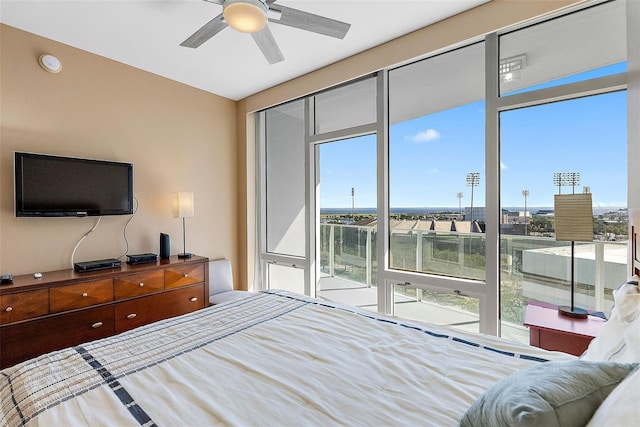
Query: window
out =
(345, 107)
(285, 277)
(465, 178)
(436, 164)
(576, 47)
(283, 208)
(285, 193)
(440, 308)
(584, 136)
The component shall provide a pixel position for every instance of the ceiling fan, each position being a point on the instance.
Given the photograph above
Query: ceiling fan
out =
(251, 16)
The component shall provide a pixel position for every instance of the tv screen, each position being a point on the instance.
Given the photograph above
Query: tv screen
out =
(51, 186)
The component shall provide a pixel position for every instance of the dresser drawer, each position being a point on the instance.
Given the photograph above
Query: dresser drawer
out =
(140, 311)
(23, 341)
(81, 295)
(25, 305)
(183, 275)
(134, 285)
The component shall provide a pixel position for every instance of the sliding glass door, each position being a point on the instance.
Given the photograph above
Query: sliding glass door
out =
(348, 221)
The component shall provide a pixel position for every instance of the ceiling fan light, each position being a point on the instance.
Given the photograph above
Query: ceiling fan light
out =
(248, 16)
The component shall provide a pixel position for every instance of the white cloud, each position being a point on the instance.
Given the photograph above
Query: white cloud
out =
(503, 166)
(425, 136)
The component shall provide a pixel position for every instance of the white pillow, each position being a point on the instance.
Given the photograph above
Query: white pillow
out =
(551, 394)
(620, 408)
(619, 338)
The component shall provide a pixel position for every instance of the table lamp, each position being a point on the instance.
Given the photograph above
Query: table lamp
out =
(574, 222)
(183, 208)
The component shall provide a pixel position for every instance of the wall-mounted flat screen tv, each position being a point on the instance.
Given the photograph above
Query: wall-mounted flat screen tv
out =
(54, 186)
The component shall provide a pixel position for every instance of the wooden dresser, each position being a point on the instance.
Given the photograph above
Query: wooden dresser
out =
(65, 308)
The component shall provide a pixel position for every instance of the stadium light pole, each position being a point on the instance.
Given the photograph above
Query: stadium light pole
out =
(473, 180)
(525, 194)
(565, 179)
(353, 202)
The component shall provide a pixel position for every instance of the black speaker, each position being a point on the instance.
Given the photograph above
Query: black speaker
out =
(165, 246)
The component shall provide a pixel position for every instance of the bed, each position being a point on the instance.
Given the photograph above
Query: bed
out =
(278, 358)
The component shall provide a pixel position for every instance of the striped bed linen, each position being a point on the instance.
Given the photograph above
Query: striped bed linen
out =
(273, 359)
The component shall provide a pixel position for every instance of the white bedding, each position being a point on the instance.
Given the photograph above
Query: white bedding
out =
(272, 359)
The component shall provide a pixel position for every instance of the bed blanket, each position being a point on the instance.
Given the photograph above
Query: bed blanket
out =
(272, 359)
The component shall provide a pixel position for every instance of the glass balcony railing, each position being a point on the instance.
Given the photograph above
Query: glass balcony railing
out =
(533, 270)
(349, 252)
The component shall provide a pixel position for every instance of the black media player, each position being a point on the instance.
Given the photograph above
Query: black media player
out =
(101, 264)
(141, 258)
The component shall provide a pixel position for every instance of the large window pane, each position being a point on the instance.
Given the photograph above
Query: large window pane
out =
(575, 47)
(587, 136)
(458, 311)
(285, 179)
(285, 278)
(346, 106)
(436, 165)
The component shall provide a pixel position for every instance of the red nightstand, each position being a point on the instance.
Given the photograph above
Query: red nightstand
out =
(553, 331)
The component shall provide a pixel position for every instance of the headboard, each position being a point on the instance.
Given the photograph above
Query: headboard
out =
(635, 252)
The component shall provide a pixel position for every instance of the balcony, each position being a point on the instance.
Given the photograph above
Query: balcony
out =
(534, 270)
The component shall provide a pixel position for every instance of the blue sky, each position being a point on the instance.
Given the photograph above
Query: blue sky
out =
(431, 156)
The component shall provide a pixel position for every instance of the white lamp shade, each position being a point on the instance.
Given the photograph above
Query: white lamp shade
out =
(183, 205)
(573, 215)
(248, 16)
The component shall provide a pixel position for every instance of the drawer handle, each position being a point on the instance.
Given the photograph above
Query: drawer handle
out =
(85, 294)
(96, 325)
(8, 309)
(193, 299)
(186, 275)
(141, 284)
(131, 316)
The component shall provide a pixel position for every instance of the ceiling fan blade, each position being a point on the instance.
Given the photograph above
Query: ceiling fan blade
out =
(267, 44)
(207, 31)
(220, 2)
(310, 22)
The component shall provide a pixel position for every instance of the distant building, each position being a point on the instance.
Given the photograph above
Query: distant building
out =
(598, 266)
(544, 212)
(426, 225)
(515, 217)
(479, 214)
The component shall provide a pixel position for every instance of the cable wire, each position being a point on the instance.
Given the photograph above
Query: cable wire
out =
(124, 231)
(73, 253)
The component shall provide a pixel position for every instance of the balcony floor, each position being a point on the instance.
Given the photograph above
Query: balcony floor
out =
(357, 294)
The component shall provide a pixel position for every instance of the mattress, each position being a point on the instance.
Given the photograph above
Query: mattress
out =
(272, 359)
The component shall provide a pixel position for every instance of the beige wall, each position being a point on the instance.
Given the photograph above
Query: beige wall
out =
(247, 181)
(178, 138)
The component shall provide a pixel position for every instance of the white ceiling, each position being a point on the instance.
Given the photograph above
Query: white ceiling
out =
(146, 34)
